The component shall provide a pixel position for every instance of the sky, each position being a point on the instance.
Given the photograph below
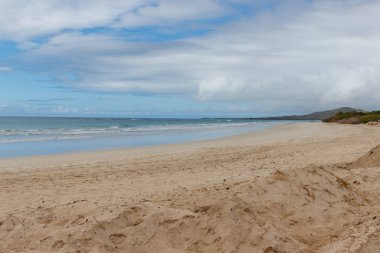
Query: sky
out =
(180, 58)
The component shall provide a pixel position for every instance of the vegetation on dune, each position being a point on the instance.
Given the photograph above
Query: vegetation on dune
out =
(355, 117)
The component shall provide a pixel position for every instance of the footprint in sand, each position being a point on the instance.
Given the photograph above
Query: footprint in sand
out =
(117, 238)
(58, 245)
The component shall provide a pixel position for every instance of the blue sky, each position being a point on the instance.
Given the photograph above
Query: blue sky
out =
(174, 58)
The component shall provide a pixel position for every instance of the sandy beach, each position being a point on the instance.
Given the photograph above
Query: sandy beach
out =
(308, 187)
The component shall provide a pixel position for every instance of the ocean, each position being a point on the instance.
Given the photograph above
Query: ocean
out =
(27, 136)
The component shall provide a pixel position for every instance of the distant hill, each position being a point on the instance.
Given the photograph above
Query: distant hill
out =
(316, 115)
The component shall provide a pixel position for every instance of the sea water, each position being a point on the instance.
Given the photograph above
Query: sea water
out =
(26, 136)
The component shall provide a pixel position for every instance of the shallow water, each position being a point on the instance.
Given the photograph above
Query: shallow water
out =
(26, 136)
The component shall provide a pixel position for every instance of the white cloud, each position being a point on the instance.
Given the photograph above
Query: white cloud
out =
(218, 88)
(5, 69)
(169, 11)
(62, 109)
(312, 56)
(22, 20)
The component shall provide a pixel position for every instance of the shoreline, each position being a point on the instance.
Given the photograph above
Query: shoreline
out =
(40, 147)
(91, 191)
(261, 136)
(108, 153)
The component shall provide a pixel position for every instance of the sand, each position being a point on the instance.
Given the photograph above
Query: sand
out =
(308, 187)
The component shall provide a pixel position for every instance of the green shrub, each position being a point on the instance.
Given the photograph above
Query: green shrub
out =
(369, 118)
(364, 117)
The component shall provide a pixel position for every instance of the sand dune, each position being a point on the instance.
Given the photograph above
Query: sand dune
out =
(326, 207)
(371, 159)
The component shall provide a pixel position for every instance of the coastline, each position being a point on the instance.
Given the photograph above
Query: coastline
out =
(37, 140)
(269, 135)
(104, 184)
(264, 136)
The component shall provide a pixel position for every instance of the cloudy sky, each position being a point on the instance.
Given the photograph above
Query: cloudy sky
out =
(180, 58)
